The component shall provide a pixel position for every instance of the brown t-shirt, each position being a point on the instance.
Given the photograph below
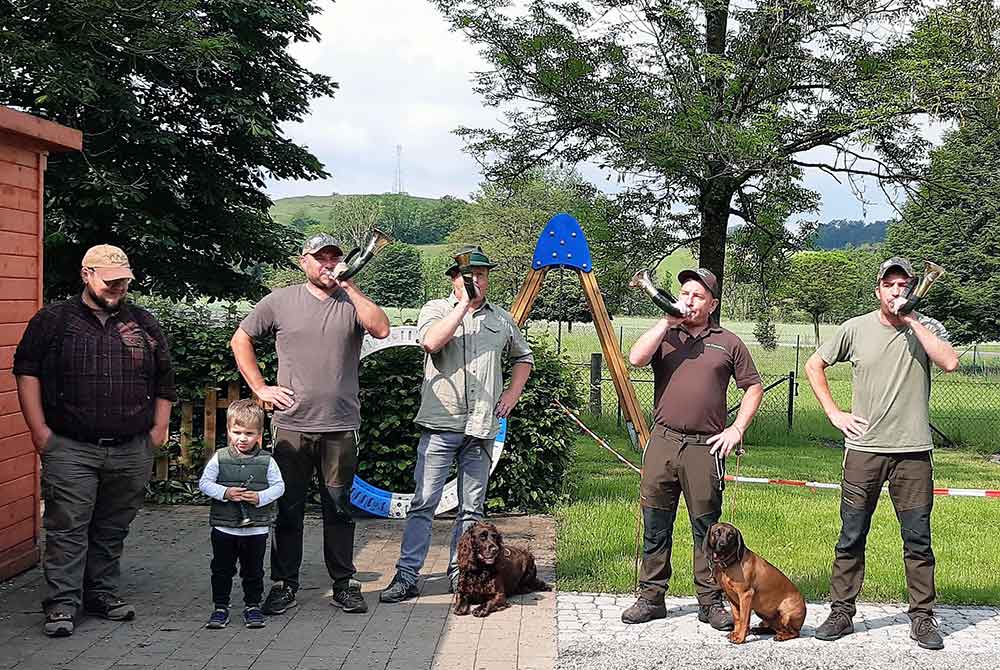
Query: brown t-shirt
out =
(319, 353)
(691, 375)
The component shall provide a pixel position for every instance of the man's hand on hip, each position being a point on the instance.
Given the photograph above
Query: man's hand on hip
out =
(278, 396)
(849, 424)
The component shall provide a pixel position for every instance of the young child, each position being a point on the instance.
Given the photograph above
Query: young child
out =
(243, 482)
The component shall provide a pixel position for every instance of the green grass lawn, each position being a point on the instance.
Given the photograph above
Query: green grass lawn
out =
(793, 528)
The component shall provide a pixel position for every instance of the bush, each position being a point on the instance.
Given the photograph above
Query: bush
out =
(539, 439)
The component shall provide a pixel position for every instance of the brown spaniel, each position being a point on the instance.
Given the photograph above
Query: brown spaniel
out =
(488, 571)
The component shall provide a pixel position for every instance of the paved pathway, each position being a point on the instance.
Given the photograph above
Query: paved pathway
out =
(165, 574)
(591, 635)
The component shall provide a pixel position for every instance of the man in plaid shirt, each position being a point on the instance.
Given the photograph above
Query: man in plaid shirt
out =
(96, 385)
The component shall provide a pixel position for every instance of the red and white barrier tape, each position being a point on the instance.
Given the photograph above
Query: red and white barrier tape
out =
(971, 493)
(968, 493)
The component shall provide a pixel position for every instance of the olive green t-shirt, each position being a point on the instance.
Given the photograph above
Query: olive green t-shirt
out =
(891, 382)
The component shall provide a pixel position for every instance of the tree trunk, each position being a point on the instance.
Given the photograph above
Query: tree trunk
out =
(714, 205)
(816, 327)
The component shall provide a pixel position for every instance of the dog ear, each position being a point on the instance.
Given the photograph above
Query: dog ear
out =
(466, 555)
(741, 547)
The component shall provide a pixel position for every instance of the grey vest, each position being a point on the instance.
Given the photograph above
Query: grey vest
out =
(248, 471)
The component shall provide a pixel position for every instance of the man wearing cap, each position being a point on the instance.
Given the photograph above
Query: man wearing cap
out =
(693, 360)
(464, 338)
(96, 385)
(319, 327)
(887, 438)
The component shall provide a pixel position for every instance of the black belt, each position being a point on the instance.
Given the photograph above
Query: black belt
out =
(112, 441)
(700, 437)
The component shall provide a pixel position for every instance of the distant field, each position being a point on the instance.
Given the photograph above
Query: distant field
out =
(319, 206)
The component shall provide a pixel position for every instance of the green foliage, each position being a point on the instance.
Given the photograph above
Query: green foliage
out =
(843, 233)
(199, 335)
(705, 111)
(394, 278)
(181, 104)
(539, 438)
(407, 218)
(955, 222)
(824, 282)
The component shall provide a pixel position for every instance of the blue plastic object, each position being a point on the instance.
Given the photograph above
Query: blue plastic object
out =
(562, 244)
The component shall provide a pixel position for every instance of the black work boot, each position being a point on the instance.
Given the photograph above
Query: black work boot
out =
(924, 629)
(643, 611)
(836, 626)
(716, 615)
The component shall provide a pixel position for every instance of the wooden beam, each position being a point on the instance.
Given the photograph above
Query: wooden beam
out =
(51, 136)
(634, 418)
(521, 306)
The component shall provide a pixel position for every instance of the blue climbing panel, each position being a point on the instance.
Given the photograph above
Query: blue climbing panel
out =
(562, 244)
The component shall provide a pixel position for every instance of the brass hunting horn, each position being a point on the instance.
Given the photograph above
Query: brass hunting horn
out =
(915, 292)
(661, 297)
(378, 241)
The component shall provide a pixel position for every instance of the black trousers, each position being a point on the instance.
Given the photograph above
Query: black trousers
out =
(333, 458)
(226, 551)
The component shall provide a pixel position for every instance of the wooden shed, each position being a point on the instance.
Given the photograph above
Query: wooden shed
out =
(25, 141)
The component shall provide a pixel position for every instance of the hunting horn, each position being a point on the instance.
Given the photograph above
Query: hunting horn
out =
(661, 298)
(915, 292)
(463, 261)
(378, 241)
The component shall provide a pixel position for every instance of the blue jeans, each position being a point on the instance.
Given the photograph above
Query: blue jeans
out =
(436, 451)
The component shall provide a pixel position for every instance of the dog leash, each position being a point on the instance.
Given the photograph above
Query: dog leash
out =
(736, 481)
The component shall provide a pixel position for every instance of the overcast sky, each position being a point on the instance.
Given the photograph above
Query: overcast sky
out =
(406, 79)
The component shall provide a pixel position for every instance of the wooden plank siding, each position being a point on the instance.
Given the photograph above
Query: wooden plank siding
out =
(25, 141)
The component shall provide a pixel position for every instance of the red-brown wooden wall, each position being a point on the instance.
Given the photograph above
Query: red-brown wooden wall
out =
(25, 141)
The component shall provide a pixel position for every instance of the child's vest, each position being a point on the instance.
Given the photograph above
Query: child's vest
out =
(248, 471)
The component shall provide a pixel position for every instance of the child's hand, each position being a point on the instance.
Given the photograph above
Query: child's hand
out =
(234, 493)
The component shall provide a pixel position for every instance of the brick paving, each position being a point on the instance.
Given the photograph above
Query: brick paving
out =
(165, 574)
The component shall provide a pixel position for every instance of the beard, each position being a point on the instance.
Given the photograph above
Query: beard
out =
(103, 303)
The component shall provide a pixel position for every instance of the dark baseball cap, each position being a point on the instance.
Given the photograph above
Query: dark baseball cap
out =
(896, 262)
(703, 276)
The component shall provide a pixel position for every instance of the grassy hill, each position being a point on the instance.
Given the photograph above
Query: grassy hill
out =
(319, 207)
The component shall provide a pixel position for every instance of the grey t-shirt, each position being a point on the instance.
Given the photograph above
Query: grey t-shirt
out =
(319, 353)
(891, 382)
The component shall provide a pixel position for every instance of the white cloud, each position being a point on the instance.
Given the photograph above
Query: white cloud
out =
(406, 79)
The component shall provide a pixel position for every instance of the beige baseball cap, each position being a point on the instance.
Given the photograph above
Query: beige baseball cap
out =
(108, 262)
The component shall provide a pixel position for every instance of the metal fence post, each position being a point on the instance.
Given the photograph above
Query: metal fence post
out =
(791, 398)
(595, 383)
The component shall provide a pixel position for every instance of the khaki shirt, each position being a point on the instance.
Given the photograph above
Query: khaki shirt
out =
(891, 382)
(464, 380)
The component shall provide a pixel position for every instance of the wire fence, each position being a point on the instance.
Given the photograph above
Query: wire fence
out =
(964, 405)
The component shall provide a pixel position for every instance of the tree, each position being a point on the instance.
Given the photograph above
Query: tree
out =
(351, 220)
(181, 104)
(958, 227)
(506, 222)
(822, 282)
(394, 277)
(712, 109)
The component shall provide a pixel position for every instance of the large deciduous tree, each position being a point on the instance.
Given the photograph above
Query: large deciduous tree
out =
(957, 225)
(181, 104)
(709, 108)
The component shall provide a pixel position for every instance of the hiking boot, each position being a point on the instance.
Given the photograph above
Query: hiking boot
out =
(643, 611)
(399, 589)
(349, 600)
(715, 615)
(924, 630)
(253, 617)
(58, 622)
(108, 606)
(279, 600)
(836, 626)
(219, 618)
